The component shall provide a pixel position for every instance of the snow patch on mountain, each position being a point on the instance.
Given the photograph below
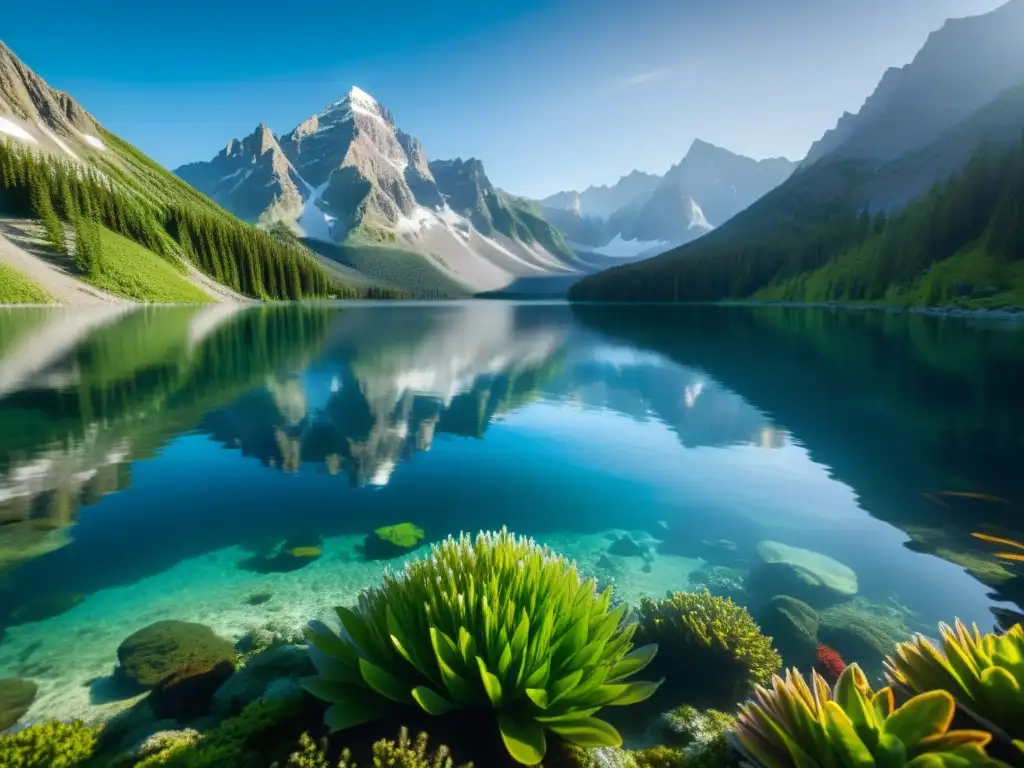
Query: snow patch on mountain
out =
(697, 218)
(93, 142)
(56, 140)
(416, 222)
(314, 222)
(15, 130)
(625, 249)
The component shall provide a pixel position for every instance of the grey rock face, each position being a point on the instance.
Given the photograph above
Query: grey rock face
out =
(251, 177)
(50, 118)
(603, 201)
(707, 188)
(961, 67)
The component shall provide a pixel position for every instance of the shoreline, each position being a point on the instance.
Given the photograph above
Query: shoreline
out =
(1008, 315)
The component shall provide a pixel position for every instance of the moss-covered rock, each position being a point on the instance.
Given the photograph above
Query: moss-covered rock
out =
(699, 736)
(43, 608)
(661, 756)
(392, 541)
(861, 635)
(562, 755)
(186, 693)
(793, 627)
(252, 681)
(48, 745)
(810, 576)
(239, 742)
(166, 647)
(16, 696)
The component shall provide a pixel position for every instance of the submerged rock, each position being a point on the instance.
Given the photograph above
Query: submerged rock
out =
(16, 696)
(43, 608)
(793, 626)
(563, 755)
(163, 741)
(862, 633)
(625, 546)
(259, 678)
(186, 693)
(720, 580)
(165, 647)
(817, 579)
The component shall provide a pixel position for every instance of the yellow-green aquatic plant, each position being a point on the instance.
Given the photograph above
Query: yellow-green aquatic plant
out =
(404, 753)
(500, 623)
(51, 744)
(401, 535)
(985, 673)
(708, 643)
(851, 726)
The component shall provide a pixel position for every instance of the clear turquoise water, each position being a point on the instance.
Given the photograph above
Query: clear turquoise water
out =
(146, 455)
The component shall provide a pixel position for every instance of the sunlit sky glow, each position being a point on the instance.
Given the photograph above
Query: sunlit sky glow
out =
(551, 94)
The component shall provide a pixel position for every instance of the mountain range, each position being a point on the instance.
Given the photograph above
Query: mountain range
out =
(348, 177)
(908, 200)
(644, 213)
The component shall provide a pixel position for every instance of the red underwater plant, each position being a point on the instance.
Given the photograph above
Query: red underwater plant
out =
(829, 664)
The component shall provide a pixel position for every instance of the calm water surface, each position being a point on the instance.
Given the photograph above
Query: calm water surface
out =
(161, 463)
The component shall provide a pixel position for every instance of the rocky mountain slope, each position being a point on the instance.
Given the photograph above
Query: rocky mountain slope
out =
(961, 67)
(348, 175)
(34, 113)
(704, 190)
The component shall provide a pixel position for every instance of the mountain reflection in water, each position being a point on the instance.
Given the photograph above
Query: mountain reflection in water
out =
(138, 445)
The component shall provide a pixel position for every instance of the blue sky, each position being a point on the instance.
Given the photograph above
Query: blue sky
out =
(550, 94)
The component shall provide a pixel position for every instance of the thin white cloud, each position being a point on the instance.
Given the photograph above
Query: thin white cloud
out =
(643, 78)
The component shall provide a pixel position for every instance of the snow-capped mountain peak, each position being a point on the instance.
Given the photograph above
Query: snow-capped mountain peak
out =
(348, 171)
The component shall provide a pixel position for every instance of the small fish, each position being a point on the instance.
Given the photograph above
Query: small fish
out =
(976, 496)
(935, 499)
(1010, 556)
(997, 540)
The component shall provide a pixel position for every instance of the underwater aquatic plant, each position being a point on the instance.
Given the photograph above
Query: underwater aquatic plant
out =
(708, 645)
(401, 535)
(50, 744)
(985, 673)
(794, 724)
(238, 742)
(498, 623)
(406, 753)
(829, 664)
(660, 756)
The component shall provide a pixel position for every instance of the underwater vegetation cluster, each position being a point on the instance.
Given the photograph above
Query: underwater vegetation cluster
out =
(497, 623)
(496, 646)
(710, 646)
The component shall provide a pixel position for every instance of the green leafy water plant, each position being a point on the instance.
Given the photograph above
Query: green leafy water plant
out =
(500, 623)
(401, 535)
(50, 744)
(851, 726)
(708, 645)
(985, 673)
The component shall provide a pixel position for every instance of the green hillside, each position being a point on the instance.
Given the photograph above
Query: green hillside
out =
(526, 222)
(135, 198)
(391, 267)
(814, 239)
(16, 288)
(962, 244)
